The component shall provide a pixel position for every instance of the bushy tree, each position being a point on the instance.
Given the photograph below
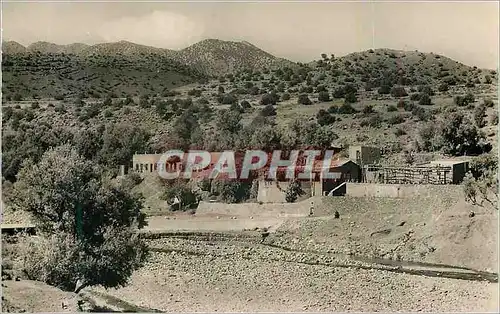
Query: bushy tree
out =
(293, 191)
(120, 141)
(231, 191)
(87, 224)
(462, 137)
(180, 190)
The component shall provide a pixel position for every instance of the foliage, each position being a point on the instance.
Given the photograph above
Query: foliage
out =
(398, 91)
(179, 189)
(323, 96)
(482, 180)
(425, 100)
(106, 251)
(324, 118)
(346, 108)
(480, 115)
(304, 100)
(293, 191)
(231, 191)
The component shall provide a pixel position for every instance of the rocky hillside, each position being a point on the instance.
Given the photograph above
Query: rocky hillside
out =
(373, 68)
(212, 57)
(53, 75)
(218, 57)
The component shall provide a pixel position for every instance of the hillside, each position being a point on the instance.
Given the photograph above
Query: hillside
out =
(211, 57)
(372, 68)
(218, 57)
(53, 74)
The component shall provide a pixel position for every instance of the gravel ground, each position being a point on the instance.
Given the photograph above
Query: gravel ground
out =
(245, 276)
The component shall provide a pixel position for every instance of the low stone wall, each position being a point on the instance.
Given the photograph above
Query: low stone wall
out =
(300, 209)
(400, 190)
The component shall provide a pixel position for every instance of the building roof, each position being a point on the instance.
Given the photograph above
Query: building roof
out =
(318, 164)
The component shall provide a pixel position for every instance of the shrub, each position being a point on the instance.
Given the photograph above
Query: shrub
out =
(425, 89)
(420, 113)
(351, 98)
(179, 196)
(285, 97)
(384, 89)
(195, 92)
(392, 108)
(480, 115)
(324, 118)
(425, 100)
(494, 118)
(346, 108)
(304, 100)
(488, 103)
(333, 109)
(464, 101)
(17, 97)
(368, 109)
(323, 96)
(59, 97)
(374, 121)
(415, 96)
(398, 119)
(269, 99)
(35, 105)
(398, 91)
(443, 87)
(268, 111)
(245, 104)
(399, 132)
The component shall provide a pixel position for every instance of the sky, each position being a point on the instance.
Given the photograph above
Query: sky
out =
(299, 31)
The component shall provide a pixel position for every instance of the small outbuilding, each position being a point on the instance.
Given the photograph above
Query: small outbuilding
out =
(458, 168)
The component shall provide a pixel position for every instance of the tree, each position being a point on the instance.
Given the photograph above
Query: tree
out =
(87, 224)
(304, 100)
(293, 191)
(180, 190)
(461, 137)
(120, 141)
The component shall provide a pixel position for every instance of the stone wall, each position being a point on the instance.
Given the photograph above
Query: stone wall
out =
(399, 190)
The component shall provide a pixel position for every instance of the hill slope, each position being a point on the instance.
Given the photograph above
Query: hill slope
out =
(43, 71)
(218, 57)
(212, 57)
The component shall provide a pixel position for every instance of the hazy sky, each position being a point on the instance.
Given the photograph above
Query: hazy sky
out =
(465, 31)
